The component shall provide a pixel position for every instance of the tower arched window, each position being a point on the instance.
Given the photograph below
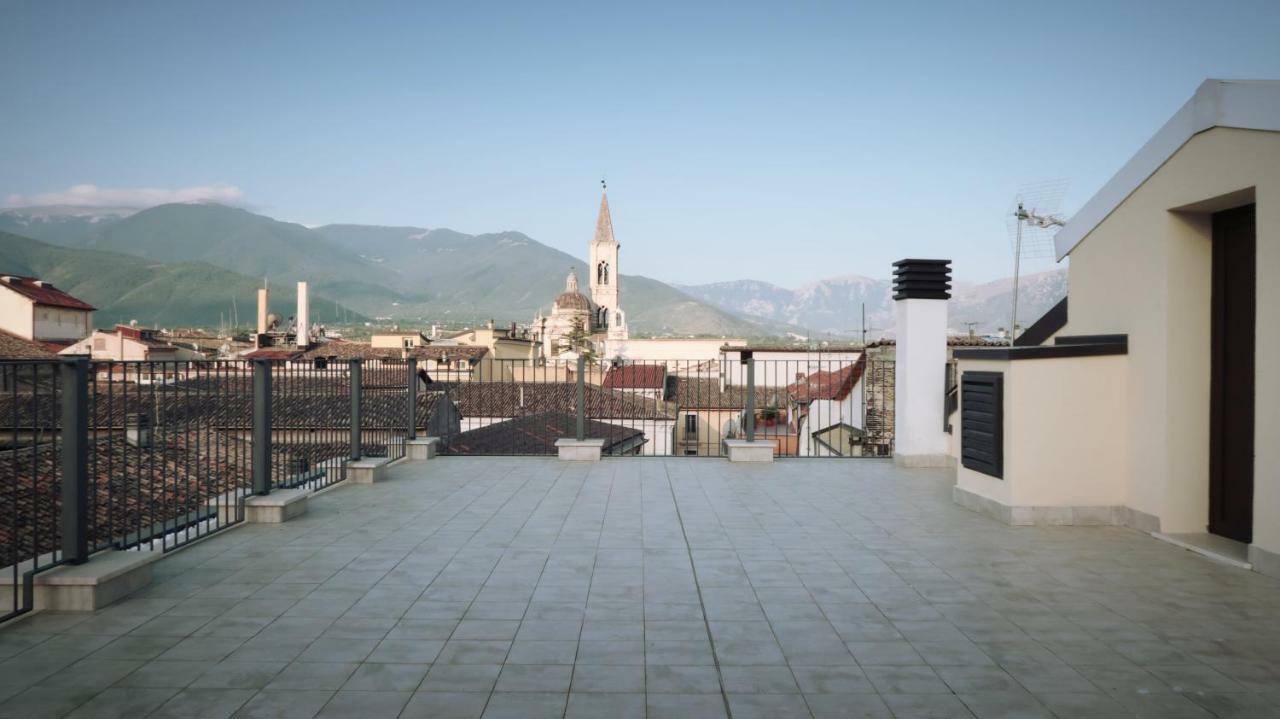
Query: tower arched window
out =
(602, 273)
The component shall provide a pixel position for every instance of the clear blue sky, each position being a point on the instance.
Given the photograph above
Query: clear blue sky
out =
(777, 141)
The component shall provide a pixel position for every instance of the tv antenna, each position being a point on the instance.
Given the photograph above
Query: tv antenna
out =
(1032, 222)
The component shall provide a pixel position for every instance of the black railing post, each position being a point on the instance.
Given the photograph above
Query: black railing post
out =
(75, 460)
(261, 426)
(413, 399)
(751, 399)
(357, 392)
(581, 432)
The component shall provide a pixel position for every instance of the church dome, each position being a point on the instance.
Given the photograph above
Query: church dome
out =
(571, 298)
(573, 301)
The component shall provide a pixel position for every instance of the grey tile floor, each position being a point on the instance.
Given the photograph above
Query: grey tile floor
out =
(467, 587)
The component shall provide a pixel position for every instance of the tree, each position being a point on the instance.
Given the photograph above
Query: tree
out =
(578, 339)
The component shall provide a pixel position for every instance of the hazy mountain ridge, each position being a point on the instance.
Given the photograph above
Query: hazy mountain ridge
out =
(835, 304)
(423, 275)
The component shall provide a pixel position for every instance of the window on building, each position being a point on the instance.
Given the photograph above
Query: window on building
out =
(691, 424)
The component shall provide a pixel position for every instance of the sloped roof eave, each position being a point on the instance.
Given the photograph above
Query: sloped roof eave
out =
(1242, 104)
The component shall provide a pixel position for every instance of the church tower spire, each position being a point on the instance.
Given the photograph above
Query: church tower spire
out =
(604, 222)
(604, 272)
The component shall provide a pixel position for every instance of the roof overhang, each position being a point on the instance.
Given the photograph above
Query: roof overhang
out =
(1243, 104)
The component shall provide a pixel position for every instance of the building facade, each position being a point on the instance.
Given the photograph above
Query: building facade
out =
(1153, 406)
(35, 310)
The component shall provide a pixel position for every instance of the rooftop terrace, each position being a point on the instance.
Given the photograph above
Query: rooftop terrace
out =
(665, 587)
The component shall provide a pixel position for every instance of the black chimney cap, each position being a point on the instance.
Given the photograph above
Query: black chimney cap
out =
(915, 279)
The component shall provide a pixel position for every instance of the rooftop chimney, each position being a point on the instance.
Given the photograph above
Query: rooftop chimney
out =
(921, 290)
(303, 336)
(262, 311)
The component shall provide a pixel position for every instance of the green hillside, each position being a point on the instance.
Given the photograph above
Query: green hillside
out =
(509, 276)
(230, 238)
(410, 274)
(126, 288)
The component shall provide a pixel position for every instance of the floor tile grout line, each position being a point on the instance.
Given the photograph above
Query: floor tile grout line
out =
(715, 658)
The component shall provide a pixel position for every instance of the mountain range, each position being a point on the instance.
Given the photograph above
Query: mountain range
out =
(408, 274)
(182, 264)
(834, 305)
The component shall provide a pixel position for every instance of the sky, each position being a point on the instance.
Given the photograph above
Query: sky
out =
(784, 142)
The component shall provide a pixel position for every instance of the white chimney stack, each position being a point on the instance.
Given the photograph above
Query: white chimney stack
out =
(262, 311)
(921, 290)
(303, 336)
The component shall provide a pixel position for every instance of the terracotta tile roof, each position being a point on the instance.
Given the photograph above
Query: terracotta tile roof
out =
(636, 376)
(48, 295)
(130, 488)
(14, 347)
(828, 385)
(359, 350)
(229, 407)
(511, 399)
(707, 394)
(537, 434)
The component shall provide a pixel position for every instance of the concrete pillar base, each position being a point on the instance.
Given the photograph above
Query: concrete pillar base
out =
(368, 470)
(584, 450)
(107, 577)
(422, 448)
(279, 506)
(740, 450)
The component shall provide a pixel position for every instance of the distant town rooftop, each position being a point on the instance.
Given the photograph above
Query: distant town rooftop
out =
(43, 293)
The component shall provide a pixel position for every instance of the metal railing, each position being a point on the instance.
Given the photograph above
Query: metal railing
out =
(31, 480)
(817, 406)
(164, 468)
(154, 455)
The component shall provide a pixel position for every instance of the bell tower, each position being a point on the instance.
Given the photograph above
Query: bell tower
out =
(603, 271)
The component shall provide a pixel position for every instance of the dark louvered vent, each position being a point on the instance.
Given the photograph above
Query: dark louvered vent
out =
(922, 280)
(982, 422)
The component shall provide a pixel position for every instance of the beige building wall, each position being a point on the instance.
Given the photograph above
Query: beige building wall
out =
(16, 315)
(396, 340)
(1145, 271)
(61, 323)
(710, 430)
(1064, 447)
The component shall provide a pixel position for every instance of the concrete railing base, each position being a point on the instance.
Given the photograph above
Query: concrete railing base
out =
(279, 506)
(580, 450)
(740, 450)
(368, 470)
(924, 461)
(421, 448)
(107, 576)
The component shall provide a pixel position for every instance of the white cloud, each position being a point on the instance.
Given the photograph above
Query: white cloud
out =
(135, 197)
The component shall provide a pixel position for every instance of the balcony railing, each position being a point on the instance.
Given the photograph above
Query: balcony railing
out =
(102, 455)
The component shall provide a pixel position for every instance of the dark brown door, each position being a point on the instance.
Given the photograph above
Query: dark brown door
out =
(1235, 280)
